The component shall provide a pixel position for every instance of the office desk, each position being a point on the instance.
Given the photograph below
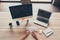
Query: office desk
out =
(5, 33)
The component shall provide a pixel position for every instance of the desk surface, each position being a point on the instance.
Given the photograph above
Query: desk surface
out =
(5, 34)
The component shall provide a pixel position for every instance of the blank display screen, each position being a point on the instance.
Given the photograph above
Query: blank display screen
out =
(21, 11)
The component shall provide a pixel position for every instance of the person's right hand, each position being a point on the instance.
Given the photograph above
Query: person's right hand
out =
(36, 35)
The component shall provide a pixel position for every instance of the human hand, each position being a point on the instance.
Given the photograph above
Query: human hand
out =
(25, 35)
(36, 35)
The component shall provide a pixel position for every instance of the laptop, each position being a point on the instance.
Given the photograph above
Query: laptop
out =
(42, 18)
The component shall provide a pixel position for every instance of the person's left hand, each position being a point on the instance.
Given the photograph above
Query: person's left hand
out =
(25, 35)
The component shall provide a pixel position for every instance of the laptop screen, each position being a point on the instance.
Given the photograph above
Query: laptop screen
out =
(21, 11)
(43, 15)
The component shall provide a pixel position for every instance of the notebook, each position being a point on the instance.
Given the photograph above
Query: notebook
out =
(42, 18)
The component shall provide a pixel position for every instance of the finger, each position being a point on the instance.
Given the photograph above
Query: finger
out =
(25, 35)
(26, 32)
(35, 34)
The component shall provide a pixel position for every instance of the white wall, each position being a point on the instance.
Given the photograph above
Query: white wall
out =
(42, 0)
(31, 0)
(10, 0)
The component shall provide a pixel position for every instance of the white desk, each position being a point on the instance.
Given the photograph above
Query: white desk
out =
(5, 18)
